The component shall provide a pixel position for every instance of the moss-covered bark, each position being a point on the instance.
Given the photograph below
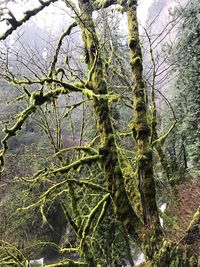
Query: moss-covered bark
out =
(108, 150)
(160, 252)
(148, 235)
(141, 128)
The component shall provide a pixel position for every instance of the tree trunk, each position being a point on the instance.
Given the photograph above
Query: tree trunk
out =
(148, 234)
(108, 149)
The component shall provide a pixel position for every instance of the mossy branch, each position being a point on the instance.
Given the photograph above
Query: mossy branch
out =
(154, 134)
(72, 107)
(88, 93)
(69, 218)
(58, 248)
(87, 160)
(67, 263)
(13, 130)
(108, 62)
(65, 86)
(141, 129)
(91, 71)
(56, 190)
(69, 250)
(15, 256)
(55, 246)
(37, 98)
(35, 177)
(44, 218)
(58, 187)
(101, 215)
(86, 149)
(152, 92)
(161, 140)
(18, 125)
(88, 184)
(90, 218)
(36, 204)
(91, 95)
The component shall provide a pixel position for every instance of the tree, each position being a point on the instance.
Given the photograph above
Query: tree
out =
(186, 54)
(136, 207)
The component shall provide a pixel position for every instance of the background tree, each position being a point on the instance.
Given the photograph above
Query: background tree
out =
(186, 54)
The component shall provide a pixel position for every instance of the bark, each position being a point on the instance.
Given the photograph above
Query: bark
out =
(141, 129)
(160, 252)
(148, 234)
(108, 150)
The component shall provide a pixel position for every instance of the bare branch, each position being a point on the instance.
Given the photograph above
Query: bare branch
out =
(55, 58)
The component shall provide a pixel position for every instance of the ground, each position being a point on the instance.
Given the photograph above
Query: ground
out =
(185, 202)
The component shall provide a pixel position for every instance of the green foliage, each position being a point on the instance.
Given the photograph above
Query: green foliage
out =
(89, 196)
(186, 55)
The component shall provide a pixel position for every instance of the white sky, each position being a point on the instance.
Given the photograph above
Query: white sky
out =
(143, 9)
(18, 11)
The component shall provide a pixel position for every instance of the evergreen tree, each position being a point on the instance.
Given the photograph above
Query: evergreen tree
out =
(186, 54)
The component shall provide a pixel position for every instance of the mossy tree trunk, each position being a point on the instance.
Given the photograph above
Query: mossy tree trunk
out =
(108, 149)
(147, 230)
(141, 129)
(142, 135)
(159, 251)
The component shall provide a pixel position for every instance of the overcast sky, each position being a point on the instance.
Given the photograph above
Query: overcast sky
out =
(143, 9)
(18, 11)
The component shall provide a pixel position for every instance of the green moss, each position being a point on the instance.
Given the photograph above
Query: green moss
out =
(140, 104)
(68, 263)
(140, 130)
(113, 98)
(88, 93)
(136, 61)
(79, 84)
(109, 157)
(160, 141)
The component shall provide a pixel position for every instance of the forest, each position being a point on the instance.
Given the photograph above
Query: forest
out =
(100, 133)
